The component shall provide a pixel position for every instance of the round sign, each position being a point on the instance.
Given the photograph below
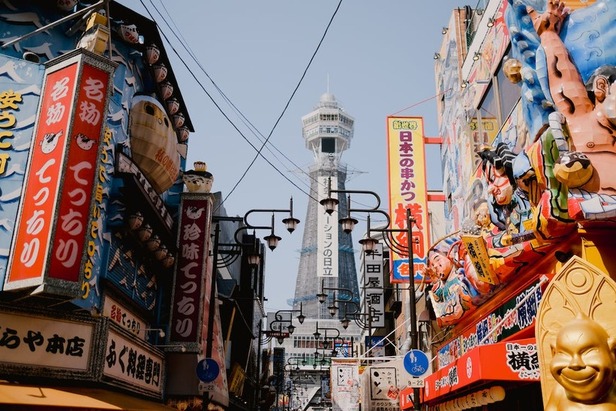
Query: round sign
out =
(416, 363)
(207, 370)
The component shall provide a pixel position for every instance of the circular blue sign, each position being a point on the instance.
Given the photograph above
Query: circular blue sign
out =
(416, 363)
(207, 370)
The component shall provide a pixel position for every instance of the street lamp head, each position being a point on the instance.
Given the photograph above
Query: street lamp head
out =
(345, 322)
(291, 223)
(254, 259)
(325, 344)
(347, 223)
(368, 244)
(316, 334)
(291, 328)
(272, 240)
(322, 297)
(332, 309)
(301, 317)
(329, 204)
(280, 340)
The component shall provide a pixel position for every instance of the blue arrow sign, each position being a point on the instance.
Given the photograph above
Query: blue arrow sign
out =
(416, 363)
(207, 370)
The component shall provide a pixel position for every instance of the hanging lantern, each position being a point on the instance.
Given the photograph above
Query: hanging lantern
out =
(160, 72)
(144, 233)
(161, 253)
(168, 261)
(166, 90)
(135, 220)
(152, 53)
(129, 33)
(183, 134)
(178, 120)
(153, 243)
(173, 105)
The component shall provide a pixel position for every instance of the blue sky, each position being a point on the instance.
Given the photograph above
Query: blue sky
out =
(377, 58)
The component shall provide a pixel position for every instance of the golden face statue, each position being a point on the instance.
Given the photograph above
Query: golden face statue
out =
(584, 361)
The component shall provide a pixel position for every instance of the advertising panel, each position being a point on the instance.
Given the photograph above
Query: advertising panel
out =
(407, 190)
(506, 361)
(34, 225)
(29, 340)
(191, 283)
(133, 364)
(373, 286)
(327, 233)
(80, 167)
(55, 212)
(345, 386)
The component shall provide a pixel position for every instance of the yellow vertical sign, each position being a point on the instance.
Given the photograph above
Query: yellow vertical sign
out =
(407, 190)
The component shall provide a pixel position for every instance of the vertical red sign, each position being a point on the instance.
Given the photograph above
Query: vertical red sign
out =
(191, 275)
(76, 196)
(34, 225)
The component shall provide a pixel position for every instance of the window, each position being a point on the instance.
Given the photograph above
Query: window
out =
(328, 145)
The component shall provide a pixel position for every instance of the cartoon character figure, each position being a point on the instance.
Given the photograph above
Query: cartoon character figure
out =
(84, 142)
(584, 366)
(589, 109)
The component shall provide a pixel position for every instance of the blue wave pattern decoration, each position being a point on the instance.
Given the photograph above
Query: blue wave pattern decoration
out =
(20, 88)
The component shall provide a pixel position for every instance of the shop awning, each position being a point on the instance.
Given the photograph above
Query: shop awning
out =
(75, 397)
(504, 361)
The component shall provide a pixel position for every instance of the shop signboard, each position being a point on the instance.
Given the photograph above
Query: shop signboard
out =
(407, 190)
(51, 228)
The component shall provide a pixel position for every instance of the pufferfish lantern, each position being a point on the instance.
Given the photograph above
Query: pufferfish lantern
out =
(198, 180)
(154, 143)
(513, 70)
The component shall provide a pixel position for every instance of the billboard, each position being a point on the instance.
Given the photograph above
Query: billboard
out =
(407, 190)
(50, 231)
(192, 285)
(327, 233)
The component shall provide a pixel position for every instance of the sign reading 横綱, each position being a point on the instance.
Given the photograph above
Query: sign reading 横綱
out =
(407, 190)
(50, 231)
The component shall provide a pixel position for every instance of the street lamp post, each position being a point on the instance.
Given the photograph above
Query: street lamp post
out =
(253, 259)
(368, 244)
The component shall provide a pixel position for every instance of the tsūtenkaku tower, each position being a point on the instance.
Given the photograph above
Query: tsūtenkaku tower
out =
(327, 252)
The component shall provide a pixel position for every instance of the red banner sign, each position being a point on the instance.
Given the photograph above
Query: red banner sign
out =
(74, 210)
(191, 282)
(510, 361)
(42, 185)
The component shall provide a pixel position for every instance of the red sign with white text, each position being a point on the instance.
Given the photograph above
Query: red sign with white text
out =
(76, 196)
(34, 225)
(504, 361)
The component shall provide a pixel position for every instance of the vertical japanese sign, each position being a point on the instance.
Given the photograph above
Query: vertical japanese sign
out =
(191, 283)
(327, 233)
(42, 186)
(407, 190)
(20, 93)
(76, 196)
(344, 386)
(51, 229)
(373, 286)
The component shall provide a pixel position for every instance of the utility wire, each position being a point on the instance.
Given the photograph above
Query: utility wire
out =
(224, 114)
(259, 151)
(175, 30)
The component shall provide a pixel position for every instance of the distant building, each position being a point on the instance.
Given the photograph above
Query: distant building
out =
(327, 253)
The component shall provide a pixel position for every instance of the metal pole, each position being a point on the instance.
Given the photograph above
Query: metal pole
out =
(412, 302)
